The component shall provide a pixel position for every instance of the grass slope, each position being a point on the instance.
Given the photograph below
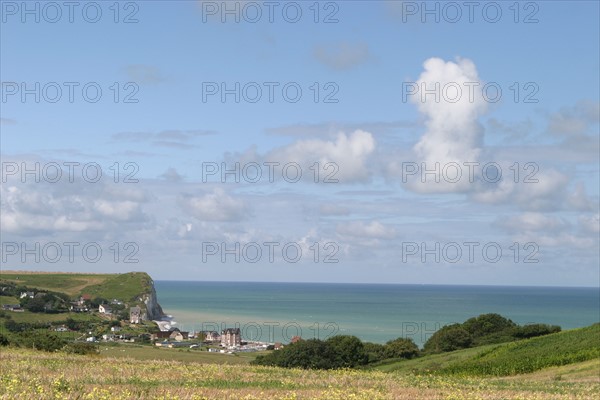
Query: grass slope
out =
(38, 375)
(534, 354)
(120, 286)
(525, 356)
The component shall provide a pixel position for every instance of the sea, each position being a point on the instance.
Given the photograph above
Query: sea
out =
(276, 312)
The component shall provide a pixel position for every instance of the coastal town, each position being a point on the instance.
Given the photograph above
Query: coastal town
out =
(121, 322)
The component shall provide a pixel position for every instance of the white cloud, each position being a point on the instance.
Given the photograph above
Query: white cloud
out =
(590, 224)
(453, 133)
(214, 206)
(533, 221)
(362, 229)
(349, 152)
(452, 130)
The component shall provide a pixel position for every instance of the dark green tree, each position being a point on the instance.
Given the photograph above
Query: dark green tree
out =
(375, 351)
(449, 338)
(348, 351)
(401, 348)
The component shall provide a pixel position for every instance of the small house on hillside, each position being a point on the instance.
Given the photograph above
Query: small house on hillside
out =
(160, 335)
(178, 335)
(171, 334)
(212, 336)
(231, 337)
(104, 309)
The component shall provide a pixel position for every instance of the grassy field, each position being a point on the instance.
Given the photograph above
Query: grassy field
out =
(8, 300)
(27, 316)
(532, 354)
(69, 283)
(525, 356)
(125, 286)
(145, 353)
(28, 374)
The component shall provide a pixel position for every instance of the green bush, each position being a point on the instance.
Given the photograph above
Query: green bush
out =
(375, 352)
(448, 338)
(401, 348)
(4, 340)
(490, 328)
(348, 351)
(533, 330)
(81, 348)
(336, 352)
(40, 341)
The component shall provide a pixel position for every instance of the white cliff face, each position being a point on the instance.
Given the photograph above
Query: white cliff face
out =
(153, 309)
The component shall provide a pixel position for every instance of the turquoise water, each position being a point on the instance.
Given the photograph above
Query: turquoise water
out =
(277, 311)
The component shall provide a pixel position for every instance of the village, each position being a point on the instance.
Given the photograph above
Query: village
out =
(121, 323)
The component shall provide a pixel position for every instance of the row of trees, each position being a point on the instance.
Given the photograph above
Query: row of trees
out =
(341, 351)
(47, 342)
(350, 352)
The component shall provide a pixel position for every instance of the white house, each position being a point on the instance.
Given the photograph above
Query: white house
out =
(104, 309)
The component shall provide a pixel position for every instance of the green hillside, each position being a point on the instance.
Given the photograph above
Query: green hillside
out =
(126, 287)
(519, 357)
(534, 354)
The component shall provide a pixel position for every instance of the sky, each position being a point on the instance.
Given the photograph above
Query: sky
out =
(332, 141)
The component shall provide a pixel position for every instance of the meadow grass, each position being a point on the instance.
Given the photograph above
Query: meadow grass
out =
(27, 374)
(144, 353)
(110, 286)
(27, 316)
(531, 355)
(69, 283)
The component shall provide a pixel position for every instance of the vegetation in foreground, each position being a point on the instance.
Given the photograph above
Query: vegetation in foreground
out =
(28, 374)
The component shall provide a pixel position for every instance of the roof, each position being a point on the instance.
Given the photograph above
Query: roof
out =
(234, 331)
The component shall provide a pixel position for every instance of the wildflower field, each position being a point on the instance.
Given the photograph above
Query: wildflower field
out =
(28, 374)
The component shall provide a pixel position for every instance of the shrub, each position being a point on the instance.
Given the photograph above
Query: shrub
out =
(488, 324)
(533, 330)
(401, 348)
(81, 348)
(4, 340)
(375, 352)
(449, 338)
(348, 351)
(336, 352)
(40, 341)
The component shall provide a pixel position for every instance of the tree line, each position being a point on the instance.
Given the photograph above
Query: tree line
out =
(344, 351)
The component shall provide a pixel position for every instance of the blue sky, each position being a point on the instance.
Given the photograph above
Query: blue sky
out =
(371, 218)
